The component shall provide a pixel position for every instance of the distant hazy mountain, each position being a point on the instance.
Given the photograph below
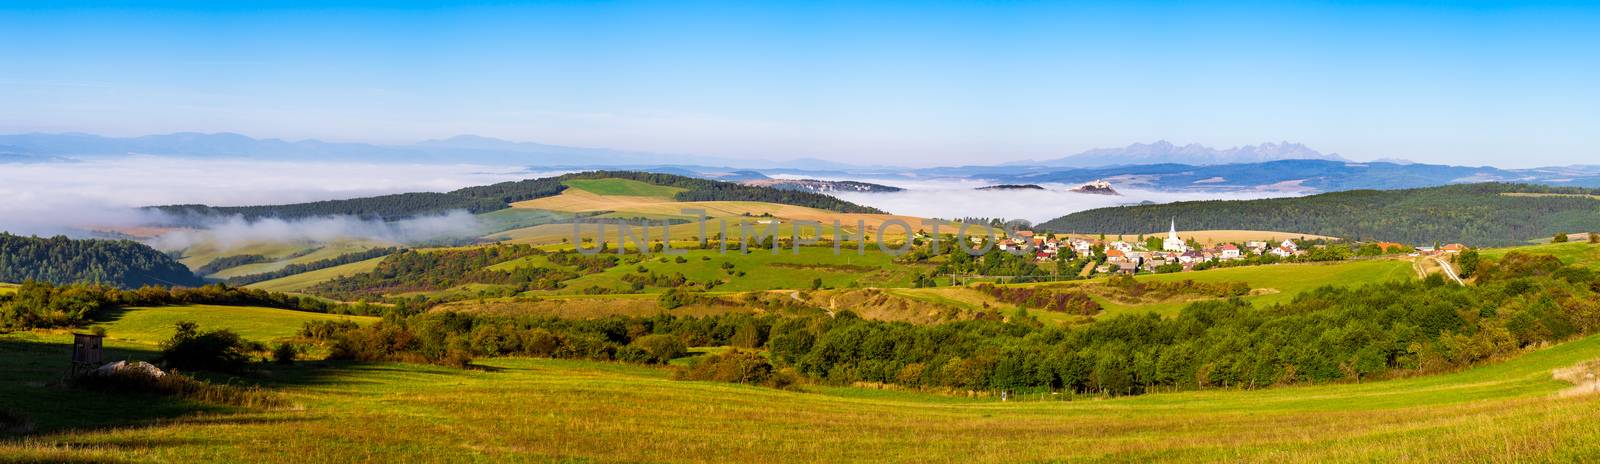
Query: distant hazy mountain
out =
(1162, 152)
(1297, 176)
(820, 186)
(458, 149)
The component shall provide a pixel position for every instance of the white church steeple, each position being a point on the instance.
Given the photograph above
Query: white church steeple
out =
(1173, 243)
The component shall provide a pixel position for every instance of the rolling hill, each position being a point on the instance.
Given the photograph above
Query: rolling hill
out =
(1489, 214)
(489, 198)
(120, 263)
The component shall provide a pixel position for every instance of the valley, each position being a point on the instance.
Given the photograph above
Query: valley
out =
(515, 346)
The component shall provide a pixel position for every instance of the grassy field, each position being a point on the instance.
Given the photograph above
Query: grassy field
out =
(766, 271)
(305, 280)
(7, 288)
(623, 187)
(1210, 237)
(549, 410)
(1281, 282)
(149, 326)
(326, 251)
(1580, 253)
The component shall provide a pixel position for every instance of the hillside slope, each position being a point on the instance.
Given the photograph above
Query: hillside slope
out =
(1489, 214)
(61, 260)
(487, 198)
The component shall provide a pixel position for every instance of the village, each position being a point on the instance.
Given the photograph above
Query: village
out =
(1174, 254)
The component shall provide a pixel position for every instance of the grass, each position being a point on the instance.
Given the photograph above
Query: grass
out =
(150, 326)
(327, 251)
(766, 271)
(623, 187)
(552, 410)
(1580, 253)
(6, 288)
(304, 280)
(1284, 280)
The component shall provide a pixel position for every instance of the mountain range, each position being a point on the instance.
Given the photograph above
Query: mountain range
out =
(459, 149)
(1280, 167)
(1194, 154)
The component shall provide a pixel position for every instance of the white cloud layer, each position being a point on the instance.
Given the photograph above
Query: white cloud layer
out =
(51, 198)
(235, 231)
(954, 199)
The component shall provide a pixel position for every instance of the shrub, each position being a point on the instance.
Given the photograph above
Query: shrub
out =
(133, 381)
(13, 423)
(323, 330)
(738, 366)
(284, 353)
(661, 348)
(1561, 237)
(216, 350)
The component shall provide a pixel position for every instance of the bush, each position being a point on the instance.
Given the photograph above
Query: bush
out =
(738, 366)
(323, 330)
(133, 381)
(1561, 237)
(13, 423)
(661, 348)
(216, 350)
(285, 353)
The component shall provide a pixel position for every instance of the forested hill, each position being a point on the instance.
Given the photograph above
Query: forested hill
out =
(1490, 214)
(60, 260)
(486, 198)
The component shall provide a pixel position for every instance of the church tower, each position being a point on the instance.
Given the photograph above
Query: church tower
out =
(1173, 243)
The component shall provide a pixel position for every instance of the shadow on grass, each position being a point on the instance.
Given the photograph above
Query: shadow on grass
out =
(31, 374)
(33, 366)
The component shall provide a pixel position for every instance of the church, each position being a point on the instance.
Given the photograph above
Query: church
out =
(1173, 243)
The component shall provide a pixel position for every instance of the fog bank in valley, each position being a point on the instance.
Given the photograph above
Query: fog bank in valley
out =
(71, 197)
(955, 199)
(235, 231)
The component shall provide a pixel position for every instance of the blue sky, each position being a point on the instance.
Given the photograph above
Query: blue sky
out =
(914, 83)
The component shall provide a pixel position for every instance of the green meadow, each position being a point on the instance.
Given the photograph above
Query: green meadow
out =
(1580, 253)
(149, 326)
(622, 187)
(764, 270)
(540, 410)
(301, 281)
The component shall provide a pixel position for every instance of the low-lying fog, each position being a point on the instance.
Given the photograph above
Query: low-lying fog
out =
(68, 198)
(958, 198)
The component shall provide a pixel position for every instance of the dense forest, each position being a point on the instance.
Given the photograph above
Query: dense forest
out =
(1473, 214)
(225, 262)
(486, 198)
(385, 207)
(413, 271)
(46, 305)
(1331, 334)
(120, 263)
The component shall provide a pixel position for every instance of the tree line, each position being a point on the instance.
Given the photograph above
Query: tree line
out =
(1330, 334)
(494, 197)
(1487, 214)
(415, 271)
(61, 260)
(299, 268)
(38, 304)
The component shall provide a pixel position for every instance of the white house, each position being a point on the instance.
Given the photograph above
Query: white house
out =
(1230, 252)
(1122, 246)
(1173, 243)
(1289, 244)
(1082, 247)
